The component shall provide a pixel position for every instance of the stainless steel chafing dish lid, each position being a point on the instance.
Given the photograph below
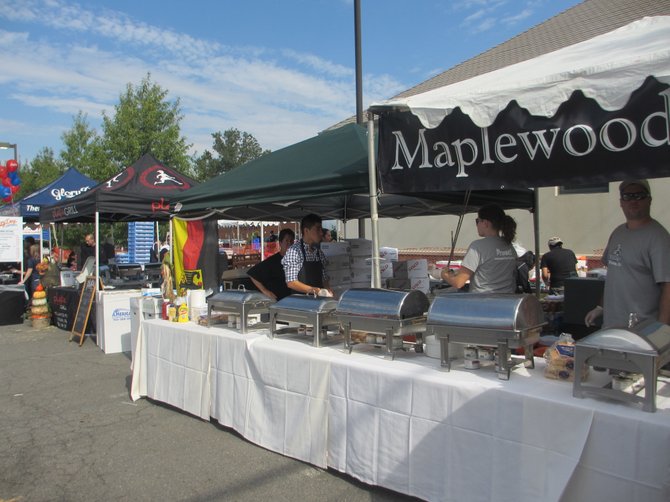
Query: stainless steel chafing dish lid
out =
(382, 303)
(239, 296)
(306, 303)
(490, 311)
(648, 338)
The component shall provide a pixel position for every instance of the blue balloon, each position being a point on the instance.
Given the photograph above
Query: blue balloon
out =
(14, 178)
(5, 192)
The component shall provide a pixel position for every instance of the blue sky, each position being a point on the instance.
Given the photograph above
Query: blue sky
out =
(281, 70)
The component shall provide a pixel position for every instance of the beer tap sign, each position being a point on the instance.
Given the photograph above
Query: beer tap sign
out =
(9, 180)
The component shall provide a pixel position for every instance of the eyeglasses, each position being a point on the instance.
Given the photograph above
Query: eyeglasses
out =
(634, 196)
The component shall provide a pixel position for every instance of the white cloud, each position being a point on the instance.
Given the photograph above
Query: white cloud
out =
(65, 105)
(513, 19)
(279, 96)
(319, 64)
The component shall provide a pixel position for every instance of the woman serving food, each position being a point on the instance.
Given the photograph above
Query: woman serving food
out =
(489, 263)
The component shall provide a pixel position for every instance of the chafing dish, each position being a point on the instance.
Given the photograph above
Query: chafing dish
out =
(315, 311)
(389, 313)
(238, 302)
(643, 349)
(505, 321)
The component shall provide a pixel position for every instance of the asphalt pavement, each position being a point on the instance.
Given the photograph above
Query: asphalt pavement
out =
(69, 432)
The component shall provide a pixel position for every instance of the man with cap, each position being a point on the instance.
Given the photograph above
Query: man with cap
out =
(637, 257)
(557, 265)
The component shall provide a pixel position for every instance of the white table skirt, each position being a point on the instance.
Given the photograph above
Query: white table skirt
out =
(408, 425)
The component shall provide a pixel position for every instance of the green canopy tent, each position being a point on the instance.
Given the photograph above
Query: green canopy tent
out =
(326, 175)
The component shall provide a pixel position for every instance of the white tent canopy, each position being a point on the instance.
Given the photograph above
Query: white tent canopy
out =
(607, 68)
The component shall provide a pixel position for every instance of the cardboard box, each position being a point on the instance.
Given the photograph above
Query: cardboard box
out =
(386, 270)
(338, 261)
(386, 253)
(360, 261)
(335, 248)
(360, 247)
(410, 268)
(422, 284)
(397, 283)
(340, 276)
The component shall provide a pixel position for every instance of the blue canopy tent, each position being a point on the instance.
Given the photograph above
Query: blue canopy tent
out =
(69, 185)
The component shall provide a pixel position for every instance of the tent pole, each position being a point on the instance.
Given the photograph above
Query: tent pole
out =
(536, 231)
(262, 241)
(97, 255)
(374, 217)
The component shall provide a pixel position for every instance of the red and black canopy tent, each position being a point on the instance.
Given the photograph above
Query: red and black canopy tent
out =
(143, 191)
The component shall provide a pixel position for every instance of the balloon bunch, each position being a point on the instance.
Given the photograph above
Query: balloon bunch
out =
(9, 180)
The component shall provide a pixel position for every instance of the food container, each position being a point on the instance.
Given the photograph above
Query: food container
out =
(644, 349)
(502, 321)
(240, 303)
(315, 311)
(382, 312)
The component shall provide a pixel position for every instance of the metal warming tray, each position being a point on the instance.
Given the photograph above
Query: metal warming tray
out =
(316, 311)
(643, 349)
(382, 311)
(238, 302)
(506, 321)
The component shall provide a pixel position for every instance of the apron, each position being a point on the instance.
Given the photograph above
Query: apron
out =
(311, 272)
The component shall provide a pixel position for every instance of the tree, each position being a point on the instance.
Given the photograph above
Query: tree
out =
(145, 122)
(39, 172)
(83, 150)
(233, 148)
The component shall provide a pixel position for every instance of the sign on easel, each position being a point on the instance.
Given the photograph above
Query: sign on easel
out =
(84, 309)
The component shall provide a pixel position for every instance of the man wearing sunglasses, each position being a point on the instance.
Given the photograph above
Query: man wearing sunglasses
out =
(637, 257)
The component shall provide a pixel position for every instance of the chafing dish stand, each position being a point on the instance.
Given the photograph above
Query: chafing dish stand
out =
(316, 311)
(238, 302)
(386, 312)
(643, 349)
(505, 321)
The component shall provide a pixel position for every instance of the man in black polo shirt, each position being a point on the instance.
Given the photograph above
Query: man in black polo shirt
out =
(557, 265)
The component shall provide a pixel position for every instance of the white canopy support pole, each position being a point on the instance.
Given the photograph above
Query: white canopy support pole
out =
(171, 241)
(39, 229)
(54, 235)
(374, 217)
(97, 250)
(22, 243)
(62, 241)
(262, 240)
(536, 231)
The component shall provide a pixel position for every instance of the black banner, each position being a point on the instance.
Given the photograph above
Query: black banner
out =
(581, 144)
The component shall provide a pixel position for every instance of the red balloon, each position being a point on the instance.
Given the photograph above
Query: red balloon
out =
(12, 165)
(14, 189)
(3, 171)
(6, 182)
(8, 199)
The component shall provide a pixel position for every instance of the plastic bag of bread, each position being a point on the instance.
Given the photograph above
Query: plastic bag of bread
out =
(560, 359)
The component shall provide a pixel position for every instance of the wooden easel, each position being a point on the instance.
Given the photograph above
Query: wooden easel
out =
(83, 309)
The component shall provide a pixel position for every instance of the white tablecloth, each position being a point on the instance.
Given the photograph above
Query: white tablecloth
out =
(408, 425)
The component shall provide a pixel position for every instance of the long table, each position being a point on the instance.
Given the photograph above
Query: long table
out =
(406, 424)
